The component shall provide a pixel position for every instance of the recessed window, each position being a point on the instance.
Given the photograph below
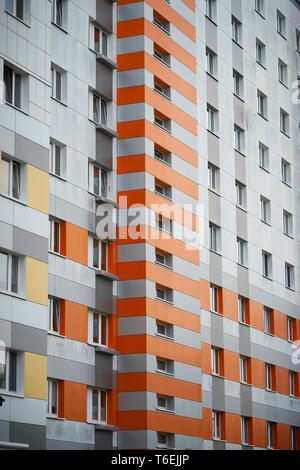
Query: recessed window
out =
(215, 361)
(243, 369)
(162, 88)
(242, 246)
(213, 177)
(52, 398)
(13, 86)
(165, 329)
(164, 403)
(163, 258)
(97, 405)
(298, 40)
(265, 205)
(268, 320)
(165, 440)
(242, 307)
(56, 77)
(54, 236)
(286, 174)
(269, 373)
(164, 294)
(212, 119)
(245, 430)
(292, 383)
(9, 272)
(289, 276)
(215, 237)
(161, 22)
(11, 176)
(10, 371)
(294, 438)
(59, 13)
(211, 62)
(100, 254)
(260, 6)
(54, 315)
(290, 329)
(98, 180)
(57, 160)
(98, 109)
(241, 196)
(165, 366)
(262, 104)
(238, 84)
(216, 417)
(163, 189)
(263, 156)
(260, 53)
(214, 298)
(239, 139)
(270, 435)
(164, 224)
(98, 40)
(161, 55)
(19, 8)
(162, 155)
(267, 264)
(284, 122)
(162, 121)
(281, 24)
(282, 72)
(287, 223)
(236, 30)
(211, 9)
(97, 328)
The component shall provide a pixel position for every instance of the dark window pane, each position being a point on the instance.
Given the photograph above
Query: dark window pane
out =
(56, 237)
(14, 274)
(8, 78)
(103, 406)
(95, 405)
(18, 81)
(9, 6)
(95, 328)
(20, 9)
(16, 180)
(58, 86)
(57, 160)
(103, 330)
(12, 371)
(103, 257)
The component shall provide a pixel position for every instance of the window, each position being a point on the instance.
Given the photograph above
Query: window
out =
(163, 189)
(54, 315)
(165, 440)
(98, 180)
(290, 329)
(54, 236)
(162, 121)
(239, 139)
(289, 276)
(242, 309)
(52, 398)
(212, 119)
(263, 157)
(211, 63)
(98, 40)
(57, 160)
(165, 366)
(164, 329)
(245, 430)
(59, 12)
(260, 53)
(211, 9)
(163, 258)
(298, 41)
(292, 383)
(19, 8)
(213, 177)
(265, 205)
(161, 55)
(162, 88)
(161, 22)
(215, 361)
(269, 371)
(163, 224)
(286, 174)
(162, 156)
(97, 328)
(293, 438)
(240, 194)
(287, 223)
(100, 254)
(216, 416)
(238, 84)
(163, 293)
(99, 114)
(267, 264)
(97, 405)
(281, 24)
(282, 72)
(243, 369)
(284, 122)
(270, 435)
(164, 403)
(242, 252)
(9, 370)
(260, 6)
(12, 87)
(214, 298)
(56, 78)
(268, 320)
(236, 30)
(10, 177)
(215, 237)
(262, 104)
(9, 272)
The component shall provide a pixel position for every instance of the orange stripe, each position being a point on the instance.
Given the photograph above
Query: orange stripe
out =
(142, 128)
(142, 381)
(140, 344)
(145, 163)
(153, 420)
(140, 60)
(141, 26)
(141, 94)
(160, 311)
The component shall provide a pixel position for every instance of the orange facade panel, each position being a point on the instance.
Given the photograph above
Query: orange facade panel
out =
(75, 321)
(75, 401)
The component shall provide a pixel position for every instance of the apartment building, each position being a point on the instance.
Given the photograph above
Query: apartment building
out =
(179, 120)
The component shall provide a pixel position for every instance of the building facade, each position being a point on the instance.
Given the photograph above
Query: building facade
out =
(176, 124)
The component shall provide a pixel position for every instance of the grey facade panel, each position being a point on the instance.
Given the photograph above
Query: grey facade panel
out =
(214, 205)
(243, 281)
(32, 153)
(240, 168)
(104, 150)
(217, 338)
(211, 31)
(212, 91)
(31, 245)
(52, 444)
(103, 440)
(215, 268)
(244, 340)
(104, 375)
(218, 393)
(72, 371)
(25, 338)
(6, 236)
(246, 400)
(237, 58)
(104, 80)
(104, 295)
(213, 149)
(22, 433)
(104, 14)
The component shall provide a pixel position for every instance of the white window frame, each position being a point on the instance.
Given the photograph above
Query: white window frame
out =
(55, 75)
(212, 120)
(103, 48)
(260, 53)
(12, 174)
(245, 430)
(288, 224)
(242, 252)
(17, 103)
(290, 329)
(167, 438)
(239, 139)
(163, 224)
(214, 238)
(50, 384)
(52, 225)
(214, 298)
(211, 9)
(263, 156)
(286, 173)
(51, 302)
(101, 394)
(25, 16)
(267, 264)
(12, 263)
(236, 30)
(265, 210)
(5, 360)
(162, 157)
(260, 7)
(268, 373)
(102, 317)
(270, 435)
(289, 276)
(101, 245)
(213, 177)
(284, 122)
(216, 422)
(293, 438)
(262, 104)
(57, 168)
(291, 383)
(168, 366)
(281, 24)
(241, 194)
(211, 63)
(102, 188)
(282, 72)
(238, 84)
(215, 361)
(297, 40)
(169, 403)
(59, 22)
(242, 309)
(243, 369)
(167, 329)
(163, 58)
(267, 320)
